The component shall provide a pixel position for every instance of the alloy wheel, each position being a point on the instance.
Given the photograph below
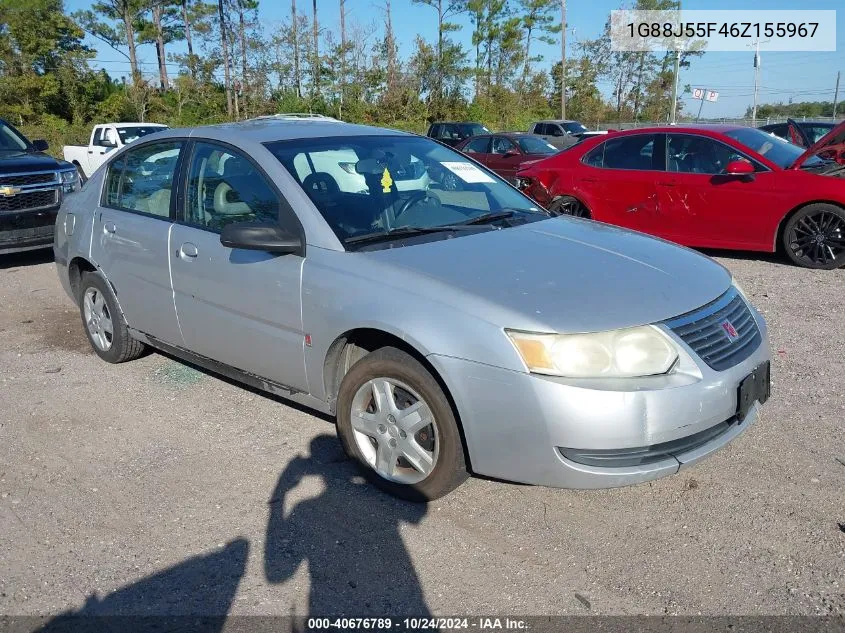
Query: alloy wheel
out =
(395, 430)
(818, 239)
(572, 207)
(98, 319)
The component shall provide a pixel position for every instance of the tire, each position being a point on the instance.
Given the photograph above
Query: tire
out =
(567, 205)
(815, 237)
(378, 439)
(100, 313)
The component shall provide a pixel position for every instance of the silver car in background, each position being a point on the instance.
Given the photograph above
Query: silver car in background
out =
(448, 330)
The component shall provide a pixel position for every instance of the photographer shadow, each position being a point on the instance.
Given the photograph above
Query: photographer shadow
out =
(350, 536)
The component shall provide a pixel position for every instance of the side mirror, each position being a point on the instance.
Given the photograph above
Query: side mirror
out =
(40, 145)
(511, 152)
(107, 142)
(739, 168)
(255, 236)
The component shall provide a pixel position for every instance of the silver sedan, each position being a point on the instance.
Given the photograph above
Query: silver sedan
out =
(450, 330)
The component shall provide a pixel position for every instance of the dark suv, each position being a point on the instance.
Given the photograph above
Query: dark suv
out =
(32, 185)
(453, 132)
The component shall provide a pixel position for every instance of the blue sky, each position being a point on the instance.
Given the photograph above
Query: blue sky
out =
(801, 76)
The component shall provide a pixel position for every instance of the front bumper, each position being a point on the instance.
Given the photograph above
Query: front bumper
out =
(515, 424)
(26, 230)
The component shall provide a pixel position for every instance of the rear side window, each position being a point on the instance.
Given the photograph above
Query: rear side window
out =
(627, 152)
(501, 145)
(141, 180)
(477, 146)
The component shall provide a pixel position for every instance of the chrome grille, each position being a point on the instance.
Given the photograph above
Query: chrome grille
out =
(704, 330)
(24, 180)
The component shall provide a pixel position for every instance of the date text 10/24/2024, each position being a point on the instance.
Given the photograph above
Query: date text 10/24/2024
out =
(481, 624)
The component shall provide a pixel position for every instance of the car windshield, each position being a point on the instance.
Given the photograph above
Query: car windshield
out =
(471, 129)
(535, 145)
(574, 127)
(10, 141)
(779, 151)
(373, 185)
(129, 134)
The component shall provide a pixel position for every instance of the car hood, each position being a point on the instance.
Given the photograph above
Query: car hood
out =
(835, 137)
(11, 162)
(568, 275)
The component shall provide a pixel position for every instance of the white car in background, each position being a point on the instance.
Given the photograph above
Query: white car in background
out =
(104, 139)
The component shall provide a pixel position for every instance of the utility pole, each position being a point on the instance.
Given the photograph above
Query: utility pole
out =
(836, 94)
(342, 56)
(756, 46)
(673, 117)
(563, 59)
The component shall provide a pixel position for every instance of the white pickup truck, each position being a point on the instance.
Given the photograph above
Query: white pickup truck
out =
(105, 138)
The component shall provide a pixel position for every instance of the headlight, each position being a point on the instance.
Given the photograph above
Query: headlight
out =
(70, 180)
(637, 351)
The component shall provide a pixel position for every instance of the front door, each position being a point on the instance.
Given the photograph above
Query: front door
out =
(130, 241)
(701, 205)
(238, 307)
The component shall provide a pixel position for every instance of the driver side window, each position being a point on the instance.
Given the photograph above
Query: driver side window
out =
(688, 154)
(501, 145)
(224, 187)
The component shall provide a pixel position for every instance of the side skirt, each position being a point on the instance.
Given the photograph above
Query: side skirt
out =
(238, 375)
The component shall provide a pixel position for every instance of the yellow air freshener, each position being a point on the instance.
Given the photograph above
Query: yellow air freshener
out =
(386, 181)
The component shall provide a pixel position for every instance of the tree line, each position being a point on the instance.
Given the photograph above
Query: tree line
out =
(219, 61)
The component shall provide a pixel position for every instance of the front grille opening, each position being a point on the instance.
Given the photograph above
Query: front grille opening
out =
(28, 200)
(23, 180)
(642, 455)
(706, 331)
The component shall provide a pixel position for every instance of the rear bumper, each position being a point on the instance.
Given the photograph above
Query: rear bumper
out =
(27, 230)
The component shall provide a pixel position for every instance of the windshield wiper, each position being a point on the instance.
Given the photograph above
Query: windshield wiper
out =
(399, 231)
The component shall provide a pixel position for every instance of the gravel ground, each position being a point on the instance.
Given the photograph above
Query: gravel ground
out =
(152, 488)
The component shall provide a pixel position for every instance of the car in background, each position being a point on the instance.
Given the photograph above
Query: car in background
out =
(104, 139)
(506, 153)
(708, 186)
(560, 132)
(806, 133)
(453, 132)
(32, 186)
(447, 332)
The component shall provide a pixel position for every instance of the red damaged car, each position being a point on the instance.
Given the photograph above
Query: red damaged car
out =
(707, 186)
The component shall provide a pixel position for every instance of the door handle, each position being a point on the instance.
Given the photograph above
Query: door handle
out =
(187, 251)
(109, 227)
(667, 183)
(90, 151)
(589, 180)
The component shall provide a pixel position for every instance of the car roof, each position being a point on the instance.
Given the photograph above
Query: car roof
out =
(717, 128)
(265, 130)
(133, 124)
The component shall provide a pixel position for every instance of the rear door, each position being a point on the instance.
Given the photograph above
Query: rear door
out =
(131, 231)
(701, 205)
(618, 183)
(238, 307)
(479, 149)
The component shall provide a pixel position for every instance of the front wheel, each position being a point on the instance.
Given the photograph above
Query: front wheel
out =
(815, 237)
(395, 421)
(567, 205)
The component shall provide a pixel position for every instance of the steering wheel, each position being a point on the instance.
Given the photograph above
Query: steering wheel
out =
(416, 198)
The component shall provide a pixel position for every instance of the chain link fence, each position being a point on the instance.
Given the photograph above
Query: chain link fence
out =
(630, 125)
